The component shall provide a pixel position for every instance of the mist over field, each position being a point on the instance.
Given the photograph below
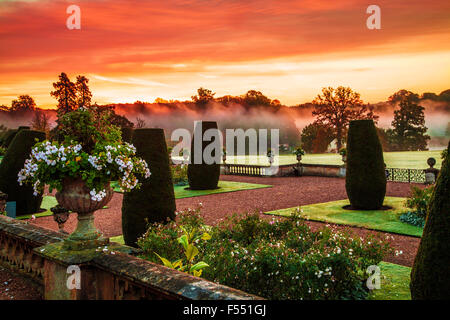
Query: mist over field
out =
(287, 119)
(290, 120)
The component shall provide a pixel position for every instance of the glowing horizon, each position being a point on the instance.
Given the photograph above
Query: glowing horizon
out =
(139, 50)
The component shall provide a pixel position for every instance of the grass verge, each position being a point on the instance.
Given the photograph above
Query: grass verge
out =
(381, 220)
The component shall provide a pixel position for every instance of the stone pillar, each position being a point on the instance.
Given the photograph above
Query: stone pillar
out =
(431, 173)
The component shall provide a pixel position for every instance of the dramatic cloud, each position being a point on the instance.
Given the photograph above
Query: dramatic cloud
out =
(139, 50)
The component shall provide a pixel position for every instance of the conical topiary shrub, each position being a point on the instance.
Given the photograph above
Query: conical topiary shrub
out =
(430, 275)
(127, 134)
(155, 200)
(203, 176)
(14, 160)
(8, 137)
(365, 179)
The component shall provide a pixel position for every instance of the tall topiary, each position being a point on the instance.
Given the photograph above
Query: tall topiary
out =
(202, 176)
(430, 275)
(155, 200)
(8, 137)
(18, 151)
(127, 134)
(365, 179)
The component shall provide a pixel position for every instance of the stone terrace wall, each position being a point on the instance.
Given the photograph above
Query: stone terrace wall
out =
(110, 275)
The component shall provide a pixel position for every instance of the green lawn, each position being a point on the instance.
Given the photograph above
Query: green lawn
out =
(394, 283)
(332, 212)
(47, 203)
(403, 159)
(224, 186)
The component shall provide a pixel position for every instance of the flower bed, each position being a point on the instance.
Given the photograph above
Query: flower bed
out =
(278, 259)
(179, 174)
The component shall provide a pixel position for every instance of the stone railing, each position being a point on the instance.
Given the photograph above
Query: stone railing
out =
(17, 241)
(284, 170)
(110, 273)
(322, 170)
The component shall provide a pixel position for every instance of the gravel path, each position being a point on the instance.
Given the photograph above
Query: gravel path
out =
(286, 192)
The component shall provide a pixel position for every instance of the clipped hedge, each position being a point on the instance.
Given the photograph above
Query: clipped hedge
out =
(8, 136)
(155, 200)
(14, 160)
(203, 176)
(365, 180)
(430, 278)
(127, 134)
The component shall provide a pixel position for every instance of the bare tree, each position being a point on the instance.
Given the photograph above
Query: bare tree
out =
(41, 121)
(140, 123)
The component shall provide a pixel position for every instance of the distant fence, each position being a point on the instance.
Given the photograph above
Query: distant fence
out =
(393, 174)
(406, 175)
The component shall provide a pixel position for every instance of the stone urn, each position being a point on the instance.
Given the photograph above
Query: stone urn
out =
(431, 173)
(75, 196)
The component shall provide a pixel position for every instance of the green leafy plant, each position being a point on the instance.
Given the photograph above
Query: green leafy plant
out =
(2, 151)
(343, 152)
(413, 218)
(299, 151)
(187, 240)
(419, 199)
(179, 174)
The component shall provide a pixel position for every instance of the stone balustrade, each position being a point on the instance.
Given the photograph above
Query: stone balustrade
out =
(113, 272)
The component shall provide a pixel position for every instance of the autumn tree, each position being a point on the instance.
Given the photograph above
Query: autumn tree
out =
(66, 94)
(315, 138)
(84, 95)
(23, 104)
(256, 98)
(203, 96)
(335, 108)
(409, 130)
(445, 95)
(161, 100)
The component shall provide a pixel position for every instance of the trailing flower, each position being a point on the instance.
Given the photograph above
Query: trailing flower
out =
(52, 162)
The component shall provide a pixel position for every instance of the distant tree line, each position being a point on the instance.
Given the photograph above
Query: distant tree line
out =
(70, 96)
(335, 108)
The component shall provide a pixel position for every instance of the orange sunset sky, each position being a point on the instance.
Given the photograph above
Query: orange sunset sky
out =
(139, 50)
